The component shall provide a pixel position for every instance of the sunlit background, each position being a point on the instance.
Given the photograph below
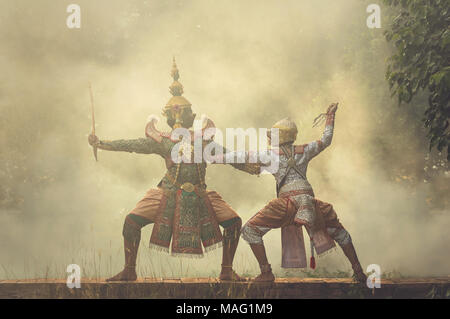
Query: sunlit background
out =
(242, 63)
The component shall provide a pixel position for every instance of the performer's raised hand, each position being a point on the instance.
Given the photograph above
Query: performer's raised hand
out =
(332, 108)
(93, 140)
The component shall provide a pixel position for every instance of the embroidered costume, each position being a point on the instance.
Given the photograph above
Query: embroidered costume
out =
(186, 214)
(296, 206)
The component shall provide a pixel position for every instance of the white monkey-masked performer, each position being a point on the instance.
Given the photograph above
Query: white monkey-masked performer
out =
(296, 206)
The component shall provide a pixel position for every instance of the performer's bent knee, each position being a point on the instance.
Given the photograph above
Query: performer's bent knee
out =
(340, 235)
(232, 228)
(233, 222)
(253, 234)
(132, 227)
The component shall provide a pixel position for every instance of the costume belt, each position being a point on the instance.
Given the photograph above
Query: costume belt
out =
(187, 187)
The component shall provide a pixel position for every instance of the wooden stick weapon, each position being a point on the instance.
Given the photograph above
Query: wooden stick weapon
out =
(94, 147)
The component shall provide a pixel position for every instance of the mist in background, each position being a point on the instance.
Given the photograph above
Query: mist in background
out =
(242, 63)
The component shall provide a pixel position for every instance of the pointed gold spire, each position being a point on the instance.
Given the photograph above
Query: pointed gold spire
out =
(174, 73)
(176, 89)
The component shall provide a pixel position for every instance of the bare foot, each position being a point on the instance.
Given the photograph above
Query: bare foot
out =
(230, 274)
(127, 274)
(265, 277)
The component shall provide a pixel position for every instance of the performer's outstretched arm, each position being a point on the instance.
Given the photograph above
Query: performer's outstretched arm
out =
(314, 148)
(251, 168)
(223, 156)
(139, 145)
(244, 164)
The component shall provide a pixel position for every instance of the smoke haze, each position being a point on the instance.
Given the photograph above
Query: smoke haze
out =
(242, 63)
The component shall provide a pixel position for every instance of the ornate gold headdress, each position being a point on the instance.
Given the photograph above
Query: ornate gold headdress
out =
(177, 101)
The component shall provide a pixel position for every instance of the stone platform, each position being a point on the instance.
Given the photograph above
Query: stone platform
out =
(193, 288)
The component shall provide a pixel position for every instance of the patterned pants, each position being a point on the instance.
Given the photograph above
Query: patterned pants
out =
(281, 212)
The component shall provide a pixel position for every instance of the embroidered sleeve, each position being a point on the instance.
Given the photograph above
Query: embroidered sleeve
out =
(251, 168)
(140, 145)
(241, 160)
(314, 148)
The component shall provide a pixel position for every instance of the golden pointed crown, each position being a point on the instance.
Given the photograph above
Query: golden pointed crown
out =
(287, 130)
(176, 89)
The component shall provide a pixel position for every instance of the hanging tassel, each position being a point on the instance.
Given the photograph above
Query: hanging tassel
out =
(312, 260)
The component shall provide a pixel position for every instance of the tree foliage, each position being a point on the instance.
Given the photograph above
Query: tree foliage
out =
(421, 36)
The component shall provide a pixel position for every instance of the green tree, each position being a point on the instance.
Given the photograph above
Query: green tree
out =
(421, 35)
